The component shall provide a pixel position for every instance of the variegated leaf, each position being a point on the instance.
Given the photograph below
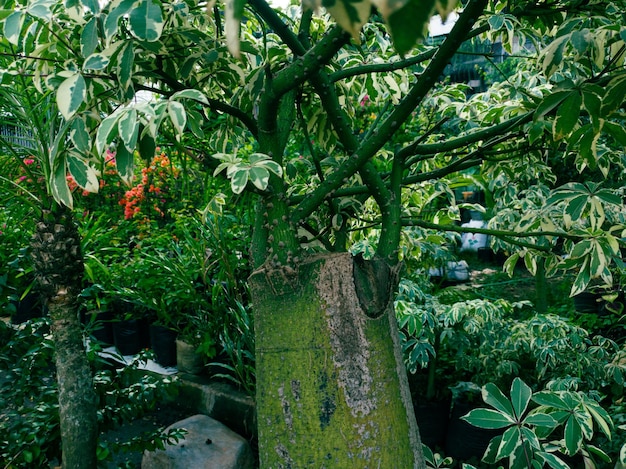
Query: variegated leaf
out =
(97, 61)
(41, 9)
(520, 397)
(80, 136)
(260, 177)
(107, 131)
(350, 15)
(124, 65)
(58, 184)
(407, 21)
(496, 399)
(196, 95)
(83, 173)
(178, 116)
(89, 38)
(239, 180)
(128, 129)
(125, 164)
(119, 8)
(488, 418)
(71, 94)
(146, 21)
(567, 116)
(13, 27)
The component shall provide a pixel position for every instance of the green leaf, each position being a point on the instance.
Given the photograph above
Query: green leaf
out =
(573, 436)
(350, 15)
(511, 439)
(118, 10)
(58, 184)
(125, 164)
(553, 461)
(549, 399)
(259, 176)
(567, 115)
(128, 129)
(239, 180)
(616, 131)
(496, 399)
(520, 397)
(178, 116)
(408, 23)
(71, 94)
(146, 21)
(89, 37)
(80, 136)
(97, 61)
(233, 15)
(191, 94)
(550, 102)
(488, 418)
(124, 66)
(82, 172)
(13, 27)
(541, 420)
(41, 9)
(614, 96)
(107, 131)
(147, 146)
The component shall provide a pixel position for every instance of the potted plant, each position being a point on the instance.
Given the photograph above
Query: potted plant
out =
(96, 314)
(541, 428)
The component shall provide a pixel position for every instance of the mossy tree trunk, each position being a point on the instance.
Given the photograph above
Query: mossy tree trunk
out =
(332, 388)
(59, 268)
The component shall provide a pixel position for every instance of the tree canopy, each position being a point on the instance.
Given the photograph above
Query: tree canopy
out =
(317, 123)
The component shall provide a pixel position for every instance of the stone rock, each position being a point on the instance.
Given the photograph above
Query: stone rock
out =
(207, 444)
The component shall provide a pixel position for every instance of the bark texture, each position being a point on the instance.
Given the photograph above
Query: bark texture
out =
(59, 268)
(331, 385)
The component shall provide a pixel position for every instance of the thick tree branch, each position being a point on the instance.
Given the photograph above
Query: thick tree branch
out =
(400, 114)
(452, 144)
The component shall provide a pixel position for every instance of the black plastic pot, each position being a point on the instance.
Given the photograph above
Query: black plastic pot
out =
(102, 327)
(464, 441)
(29, 307)
(587, 302)
(129, 336)
(432, 420)
(163, 341)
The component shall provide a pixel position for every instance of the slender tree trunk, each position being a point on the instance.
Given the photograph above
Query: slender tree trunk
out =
(331, 384)
(59, 268)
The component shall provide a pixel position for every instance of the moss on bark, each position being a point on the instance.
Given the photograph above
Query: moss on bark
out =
(331, 385)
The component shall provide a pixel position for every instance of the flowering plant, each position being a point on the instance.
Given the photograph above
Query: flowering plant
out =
(152, 197)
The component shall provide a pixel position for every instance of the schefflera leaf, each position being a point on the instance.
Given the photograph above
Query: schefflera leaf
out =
(350, 15)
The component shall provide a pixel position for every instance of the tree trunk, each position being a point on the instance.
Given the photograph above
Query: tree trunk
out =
(77, 398)
(59, 268)
(331, 384)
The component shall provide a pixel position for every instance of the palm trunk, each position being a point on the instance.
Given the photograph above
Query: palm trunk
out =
(59, 268)
(331, 385)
